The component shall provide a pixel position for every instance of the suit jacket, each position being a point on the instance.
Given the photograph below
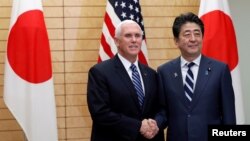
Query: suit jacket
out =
(114, 106)
(212, 104)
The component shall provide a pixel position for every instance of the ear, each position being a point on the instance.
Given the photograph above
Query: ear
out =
(176, 41)
(117, 41)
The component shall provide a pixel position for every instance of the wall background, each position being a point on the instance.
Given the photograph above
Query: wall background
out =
(74, 28)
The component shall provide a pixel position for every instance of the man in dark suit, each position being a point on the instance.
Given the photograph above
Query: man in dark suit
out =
(113, 102)
(198, 90)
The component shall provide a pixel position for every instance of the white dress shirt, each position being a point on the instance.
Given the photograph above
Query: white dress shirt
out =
(194, 68)
(127, 65)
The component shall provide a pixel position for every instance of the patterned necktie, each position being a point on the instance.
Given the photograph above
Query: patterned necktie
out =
(189, 83)
(137, 84)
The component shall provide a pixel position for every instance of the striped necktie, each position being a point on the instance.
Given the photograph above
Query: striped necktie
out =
(137, 84)
(189, 83)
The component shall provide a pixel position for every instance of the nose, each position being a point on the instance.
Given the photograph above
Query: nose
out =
(192, 37)
(134, 38)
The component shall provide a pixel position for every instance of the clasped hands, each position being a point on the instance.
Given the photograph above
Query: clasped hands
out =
(149, 128)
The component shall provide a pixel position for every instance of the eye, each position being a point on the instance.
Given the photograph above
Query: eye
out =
(128, 35)
(138, 35)
(197, 34)
(187, 35)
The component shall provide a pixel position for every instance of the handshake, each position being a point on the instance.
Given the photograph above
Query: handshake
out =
(149, 128)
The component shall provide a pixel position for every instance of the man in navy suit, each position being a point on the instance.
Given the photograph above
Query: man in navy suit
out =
(206, 96)
(112, 98)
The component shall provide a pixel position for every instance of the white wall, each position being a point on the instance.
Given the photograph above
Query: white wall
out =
(241, 19)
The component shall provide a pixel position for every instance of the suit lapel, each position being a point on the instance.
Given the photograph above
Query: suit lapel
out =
(121, 71)
(202, 79)
(178, 81)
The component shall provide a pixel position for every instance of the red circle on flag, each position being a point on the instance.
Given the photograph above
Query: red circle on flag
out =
(28, 50)
(219, 39)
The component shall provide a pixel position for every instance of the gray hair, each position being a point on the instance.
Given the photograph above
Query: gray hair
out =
(119, 26)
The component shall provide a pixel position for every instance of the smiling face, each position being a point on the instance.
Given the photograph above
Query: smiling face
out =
(129, 40)
(189, 40)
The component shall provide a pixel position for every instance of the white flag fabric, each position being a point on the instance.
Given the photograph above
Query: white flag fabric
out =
(220, 43)
(28, 82)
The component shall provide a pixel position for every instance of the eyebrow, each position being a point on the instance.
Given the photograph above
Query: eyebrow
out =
(192, 30)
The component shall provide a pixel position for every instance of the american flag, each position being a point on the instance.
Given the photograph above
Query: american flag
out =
(117, 11)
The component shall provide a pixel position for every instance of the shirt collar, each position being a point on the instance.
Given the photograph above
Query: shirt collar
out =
(196, 61)
(126, 63)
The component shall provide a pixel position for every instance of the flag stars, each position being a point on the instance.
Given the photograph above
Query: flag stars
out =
(137, 19)
(116, 3)
(136, 1)
(123, 15)
(137, 9)
(131, 17)
(128, 9)
(123, 4)
(131, 7)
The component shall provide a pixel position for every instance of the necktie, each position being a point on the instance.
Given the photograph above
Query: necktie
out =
(137, 84)
(189, 83)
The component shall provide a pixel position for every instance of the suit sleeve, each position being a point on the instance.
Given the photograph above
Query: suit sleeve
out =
(98, 98)
(161, 116)
(228, 99)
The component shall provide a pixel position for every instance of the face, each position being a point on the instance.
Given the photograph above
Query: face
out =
(190, 41)
(129, 42)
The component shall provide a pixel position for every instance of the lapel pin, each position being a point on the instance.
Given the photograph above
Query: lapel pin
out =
(207, 71)
(175, 74)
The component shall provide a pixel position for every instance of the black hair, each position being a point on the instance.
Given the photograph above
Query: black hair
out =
(183, 19)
